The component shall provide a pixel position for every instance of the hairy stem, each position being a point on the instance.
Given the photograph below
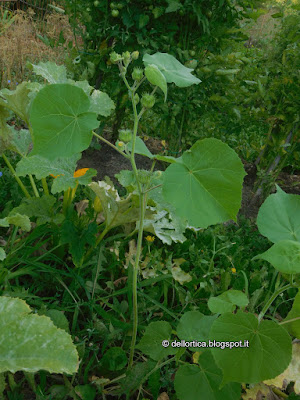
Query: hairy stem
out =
(20, 183)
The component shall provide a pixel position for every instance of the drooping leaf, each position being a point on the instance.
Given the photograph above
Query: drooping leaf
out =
(30, 342)
(205, 187)
(61, 168)
(61, 121)
(227, 301)
(155, 76)
(268, 354)
(52, 72)
(151, 342)
(18, 220)
(172, 69)
(284, 256)
(193, 382)
(294, 326)
(17, 100)
(279, 217)
(194, 325)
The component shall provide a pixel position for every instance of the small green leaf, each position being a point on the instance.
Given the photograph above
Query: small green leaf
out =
(114, 359)
(155, 77)
(172, 69)
(269, 352)
(39, 207)
(140, 148)
(51, 72)
(29, 342)
(174, 5)
(151, 342)
(59, 319)
(205, 187)
(18, 220)
(101, 103)
(61, 122)
(17, 100)
(284, 256)
(192, 381)
(279, 217)
(85, 392)
(294, 326)
(21, 140)
(227, 302)
(2, 254)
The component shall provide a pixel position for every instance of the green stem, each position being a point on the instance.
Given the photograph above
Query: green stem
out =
(35, 191)
(45, 186)
(20, 183)
(272, 298)
(66, 200)
(110, 144)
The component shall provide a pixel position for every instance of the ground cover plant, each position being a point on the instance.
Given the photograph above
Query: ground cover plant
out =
(73, 243)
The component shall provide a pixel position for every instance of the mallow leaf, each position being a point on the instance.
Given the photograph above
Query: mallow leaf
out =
(172, 69)
(293, 327)
(29, 342)
(227, 301)
(279, 217)
(50, 71)
(193, 382)
(18, 220)
(205, 187)
(269, 352)
(61, 121)
(284, 256)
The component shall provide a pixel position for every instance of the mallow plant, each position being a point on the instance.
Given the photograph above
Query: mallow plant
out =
(203, 187)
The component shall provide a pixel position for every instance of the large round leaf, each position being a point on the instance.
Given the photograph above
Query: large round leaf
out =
(268, 354)
(279, 217)
(62, 125)
(193, 382)
(30, 342)
(205, 187)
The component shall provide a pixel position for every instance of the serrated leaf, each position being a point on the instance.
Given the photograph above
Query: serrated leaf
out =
(21, 141)
(194, 325)
(294, 326)
(29, 342)
(192, 381)
(227, 301)
(62, 168)
(206, 186)
(18, 220)
(151, 342)
(40, 207)
(51, 72)
(17, 100)
(284, 256)
(155, 76)
(101, 103)
(268, 354)
(61, 122)
(172, 69)
(279, 217)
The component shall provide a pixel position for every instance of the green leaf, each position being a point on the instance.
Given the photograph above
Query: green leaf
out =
(21, 141)
(30, 342)
(192, 381)
(114, 359)
(85, 392)
(62, 168)
(17, 100)
(206, 186)
(2, 254)
(61, 121)
(135, 377)
(101, 103)
(227, 302)
(18, 220)
(279, 217)
(59, 319)
(140, 148)
(151, 342)
(174, 5)
(193, 325)
(51, 72)
(294, 326)
(172, 69)
(284, 256)
(268, 354)
(155, 77)
(143, 20)
(40, 207)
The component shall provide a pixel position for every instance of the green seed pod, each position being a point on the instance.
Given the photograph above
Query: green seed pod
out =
(126, 57)
(115, 57)
(144, 176)
(125, 135)
(136, 99)
(137, 74)
(135, 55)
(148, 100)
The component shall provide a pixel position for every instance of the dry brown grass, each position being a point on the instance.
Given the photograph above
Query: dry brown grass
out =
(20, 44)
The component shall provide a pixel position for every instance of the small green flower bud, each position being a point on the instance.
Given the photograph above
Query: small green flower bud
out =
(135, 55)
(137, 74)
(136, 99)
(126, 57)
(115, 57)
(125, 135)
(148, 100)
(144, 176)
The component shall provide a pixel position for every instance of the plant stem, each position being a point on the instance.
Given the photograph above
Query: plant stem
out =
(45, 186)
(272, 298)
(35, 191)
(20, 183)
(110, 144)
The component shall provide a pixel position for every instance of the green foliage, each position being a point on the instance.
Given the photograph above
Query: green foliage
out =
(227, 302)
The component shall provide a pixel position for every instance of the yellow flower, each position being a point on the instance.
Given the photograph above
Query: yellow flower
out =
(80, 172)
(233, 270)
(121, 144)
(150, 238)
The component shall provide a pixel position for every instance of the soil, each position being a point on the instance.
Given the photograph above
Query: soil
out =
(108, 162)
